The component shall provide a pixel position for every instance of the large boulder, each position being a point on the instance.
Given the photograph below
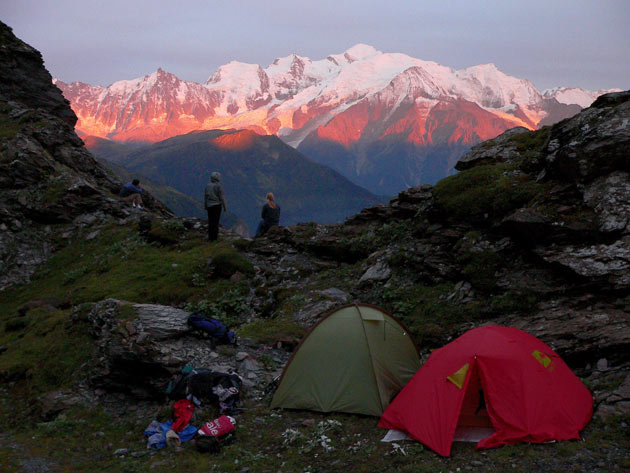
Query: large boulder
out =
(593, 143)
(140, 347)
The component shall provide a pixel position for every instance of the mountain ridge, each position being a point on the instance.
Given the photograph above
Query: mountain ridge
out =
(283, 97)
(357, 101)
(251, 165)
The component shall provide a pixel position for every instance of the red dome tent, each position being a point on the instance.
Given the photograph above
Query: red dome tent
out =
(492, 376)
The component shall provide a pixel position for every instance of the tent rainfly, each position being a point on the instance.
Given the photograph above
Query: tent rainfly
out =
(498, 378)
(355, 360)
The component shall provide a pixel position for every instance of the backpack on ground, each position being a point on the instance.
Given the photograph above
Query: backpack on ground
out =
(212, 328)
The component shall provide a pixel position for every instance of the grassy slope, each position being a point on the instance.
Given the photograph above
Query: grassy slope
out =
(46, 347)
(45, 350)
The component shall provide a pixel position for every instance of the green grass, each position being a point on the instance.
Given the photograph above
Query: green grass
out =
(226, 302)
(83, 440)
(484, 194)
(45, 354)
(226, 261)
(366, 242)
(479, 268)
(118, 263)
(45, 347)
(270, 331)
(426, 312)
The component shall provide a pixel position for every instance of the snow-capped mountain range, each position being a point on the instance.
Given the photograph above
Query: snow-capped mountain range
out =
(294, 95)
(356, 99)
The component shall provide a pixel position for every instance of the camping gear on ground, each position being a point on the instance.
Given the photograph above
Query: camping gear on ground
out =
(355, 359)
(219, 389)
(178, 385)
(183, 411)
(211, 328)
(219, 430)
(206, 386)
(172, 439)
(156, 434)
(218, 427)
(500, 379)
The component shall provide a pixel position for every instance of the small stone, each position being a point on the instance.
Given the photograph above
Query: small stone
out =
(174, 265)
(248, 365)
(476, 463)
(131, 330)
(241, 355)
(92, 235)
(121, 451)
(379, 272)
(602, 364)
(3, 227)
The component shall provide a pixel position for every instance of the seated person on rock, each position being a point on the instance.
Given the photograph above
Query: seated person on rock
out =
(130, 192)
(270, 215)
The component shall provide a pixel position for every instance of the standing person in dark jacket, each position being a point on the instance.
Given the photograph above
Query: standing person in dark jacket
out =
(270, 215)
(214, 199)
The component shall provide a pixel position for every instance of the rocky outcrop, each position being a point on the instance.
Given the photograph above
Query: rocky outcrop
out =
(140, 346)
(500, 150)
(47, 177)
(590, 144)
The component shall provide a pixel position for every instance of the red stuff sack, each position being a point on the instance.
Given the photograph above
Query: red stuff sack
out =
(218, 427)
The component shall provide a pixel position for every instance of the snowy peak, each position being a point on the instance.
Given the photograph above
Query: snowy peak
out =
(361, 52)
(295, 95)
(573, 95)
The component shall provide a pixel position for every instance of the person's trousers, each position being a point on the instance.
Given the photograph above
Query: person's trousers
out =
(214, 213)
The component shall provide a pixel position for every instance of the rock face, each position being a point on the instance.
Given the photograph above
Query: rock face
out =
(46, 174)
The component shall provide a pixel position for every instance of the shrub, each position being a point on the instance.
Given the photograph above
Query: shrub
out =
(15, 324)
(226, 261)
(230, 308)
(480, 268)
(165, 232)
(483, 194)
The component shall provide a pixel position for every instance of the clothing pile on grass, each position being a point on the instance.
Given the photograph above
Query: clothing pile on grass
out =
(193, 388)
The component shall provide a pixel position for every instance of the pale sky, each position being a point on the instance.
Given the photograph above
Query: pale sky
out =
(573, 43)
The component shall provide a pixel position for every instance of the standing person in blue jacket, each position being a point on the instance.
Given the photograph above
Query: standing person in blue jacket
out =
(270, 215)
(130, 192)
(214, 200)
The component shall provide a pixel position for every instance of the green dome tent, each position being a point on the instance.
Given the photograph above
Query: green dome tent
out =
(354, 360)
